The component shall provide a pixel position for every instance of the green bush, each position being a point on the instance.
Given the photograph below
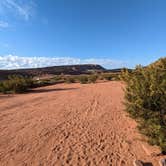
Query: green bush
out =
(70, 79)
(110, 76)
(16, 84)
(145, 96)
(43, 82)
(92, 78)
(83, 79)
(58, 78)
(107, 76)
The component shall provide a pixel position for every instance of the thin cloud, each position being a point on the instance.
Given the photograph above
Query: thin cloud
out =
(15, 62)
(22, 8)
(4, 24)
(106, 62)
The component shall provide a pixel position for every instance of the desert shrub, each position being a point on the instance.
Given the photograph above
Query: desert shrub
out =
(117, 77)
(43, 82)
(107, 76)
(110, 76)
(83, 79)
(16, 84)
(50, 81)
(58, 78)
(92, 78)
(70, 79)
(145, 96)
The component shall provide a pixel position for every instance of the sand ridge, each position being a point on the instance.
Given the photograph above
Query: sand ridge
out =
(70, 124)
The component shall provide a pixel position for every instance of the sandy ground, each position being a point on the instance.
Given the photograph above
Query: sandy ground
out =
(70, 124)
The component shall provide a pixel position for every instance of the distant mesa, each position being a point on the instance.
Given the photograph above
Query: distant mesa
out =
(54, 70)
(58, 70)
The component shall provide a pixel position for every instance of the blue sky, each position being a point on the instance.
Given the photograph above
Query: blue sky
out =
(113, 33)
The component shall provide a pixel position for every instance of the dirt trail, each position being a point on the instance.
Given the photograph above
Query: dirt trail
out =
(70, 124)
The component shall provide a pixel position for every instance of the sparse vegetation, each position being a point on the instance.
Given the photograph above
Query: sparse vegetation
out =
(70, 79)
(20, 84)
(58, 77)
(110, 76)
(83, 79)
(145, 96)
(92, 78)
(16, 84)
(107, 76)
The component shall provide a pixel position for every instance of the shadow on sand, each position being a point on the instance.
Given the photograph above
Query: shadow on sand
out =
(50, 90)
(147, 164)
(4, 96)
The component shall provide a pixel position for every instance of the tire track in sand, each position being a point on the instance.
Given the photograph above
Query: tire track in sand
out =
(85, 126)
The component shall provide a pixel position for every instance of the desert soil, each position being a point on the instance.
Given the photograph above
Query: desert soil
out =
(70, 124)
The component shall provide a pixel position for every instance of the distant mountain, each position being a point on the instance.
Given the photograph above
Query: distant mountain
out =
(55, 70)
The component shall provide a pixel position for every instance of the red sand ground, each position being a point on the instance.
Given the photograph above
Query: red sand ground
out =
(70, 124)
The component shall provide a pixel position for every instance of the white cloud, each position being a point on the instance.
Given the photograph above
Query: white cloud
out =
(14, 62)
(4, 24)
(19, 7)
